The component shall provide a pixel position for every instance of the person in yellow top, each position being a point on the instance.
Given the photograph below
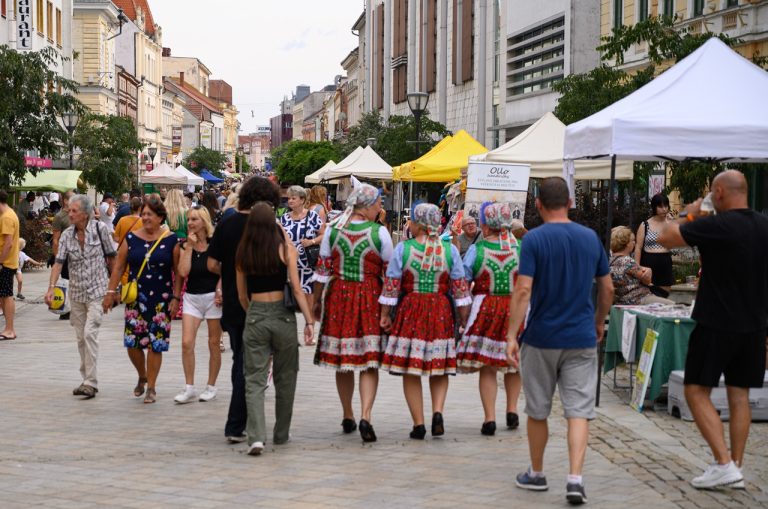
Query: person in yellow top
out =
(9, 258)
(126, 224)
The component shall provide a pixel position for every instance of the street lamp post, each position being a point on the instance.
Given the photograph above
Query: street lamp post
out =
(70, 120)
(417, 102)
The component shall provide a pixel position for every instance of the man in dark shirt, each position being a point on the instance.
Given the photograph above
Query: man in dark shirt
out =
(124, 209)
(221, 260)
(731, 313)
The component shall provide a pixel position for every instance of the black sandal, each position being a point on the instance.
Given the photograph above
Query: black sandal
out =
(150, 397)
(366, 431)
(139, 389)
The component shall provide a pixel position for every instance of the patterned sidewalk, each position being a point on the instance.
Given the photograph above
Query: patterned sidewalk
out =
(113, 451)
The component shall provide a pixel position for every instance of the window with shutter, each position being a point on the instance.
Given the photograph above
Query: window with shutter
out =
(400, 51)
(40, 17)
(463, 38)
(379, 58)
(49, 20)
(2, 8)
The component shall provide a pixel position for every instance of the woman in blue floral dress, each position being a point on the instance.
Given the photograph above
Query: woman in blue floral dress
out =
(148, 319)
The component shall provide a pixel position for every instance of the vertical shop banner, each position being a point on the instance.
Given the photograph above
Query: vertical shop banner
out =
(497, 182)
(24, 24)
(176, 141)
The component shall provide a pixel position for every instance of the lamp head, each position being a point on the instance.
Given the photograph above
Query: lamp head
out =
(152, 151)
(417, 102)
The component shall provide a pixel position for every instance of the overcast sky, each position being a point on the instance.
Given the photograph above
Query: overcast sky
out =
(263, 48)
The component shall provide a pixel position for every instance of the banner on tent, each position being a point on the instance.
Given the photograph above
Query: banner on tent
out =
(497, 183)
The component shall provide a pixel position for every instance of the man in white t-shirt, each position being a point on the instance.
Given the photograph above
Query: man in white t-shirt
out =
(107, 211)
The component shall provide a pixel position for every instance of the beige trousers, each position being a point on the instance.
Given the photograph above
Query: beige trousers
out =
(86, 317)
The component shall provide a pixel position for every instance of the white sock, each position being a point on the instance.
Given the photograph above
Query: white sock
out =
(190, 387)
(576, 479)
(534, 474)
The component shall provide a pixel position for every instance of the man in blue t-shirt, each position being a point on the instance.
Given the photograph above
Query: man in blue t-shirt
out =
(559, 261)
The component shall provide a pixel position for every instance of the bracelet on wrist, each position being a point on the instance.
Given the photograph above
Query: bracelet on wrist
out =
(111, 291)
(175, 297)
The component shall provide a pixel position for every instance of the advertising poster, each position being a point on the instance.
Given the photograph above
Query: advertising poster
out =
(497, 182)
(643, 375)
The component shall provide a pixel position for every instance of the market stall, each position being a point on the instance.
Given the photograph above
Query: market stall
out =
(163, 174)
(317, 176)
(60, 181)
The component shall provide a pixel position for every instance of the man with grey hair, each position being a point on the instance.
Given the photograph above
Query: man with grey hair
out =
(86, 245)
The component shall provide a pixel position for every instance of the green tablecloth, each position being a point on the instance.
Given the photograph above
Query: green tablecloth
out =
(670, 351)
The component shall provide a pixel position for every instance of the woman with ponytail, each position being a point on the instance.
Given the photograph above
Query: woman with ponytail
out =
(265, 261)
(493, 264)
(425, 270)
(353, 256)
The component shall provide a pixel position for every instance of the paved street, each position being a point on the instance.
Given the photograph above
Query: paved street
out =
(114, 451)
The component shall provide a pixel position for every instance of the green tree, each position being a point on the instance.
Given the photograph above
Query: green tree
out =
(241, 164)
(30, 110)
(109, 144)
(394, 136)
(296, 159)
(205, 158)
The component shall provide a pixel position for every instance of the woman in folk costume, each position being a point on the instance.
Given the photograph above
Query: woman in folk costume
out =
(493, 264)
(353, 262)
(426, 271)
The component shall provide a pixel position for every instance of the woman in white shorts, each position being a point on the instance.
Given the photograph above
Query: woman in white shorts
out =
(202, 301)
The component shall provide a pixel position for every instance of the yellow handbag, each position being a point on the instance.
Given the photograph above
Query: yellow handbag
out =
(130, 292)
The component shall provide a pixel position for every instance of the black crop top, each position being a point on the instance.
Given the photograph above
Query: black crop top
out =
(271, 283)
(200, 279)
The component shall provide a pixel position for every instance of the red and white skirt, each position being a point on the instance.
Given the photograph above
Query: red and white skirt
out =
(484, 342)
(350, 336)
(421, 341)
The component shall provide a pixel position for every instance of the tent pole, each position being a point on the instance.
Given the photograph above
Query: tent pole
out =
(609, 217)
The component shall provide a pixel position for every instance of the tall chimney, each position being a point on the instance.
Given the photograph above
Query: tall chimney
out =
(181, 78)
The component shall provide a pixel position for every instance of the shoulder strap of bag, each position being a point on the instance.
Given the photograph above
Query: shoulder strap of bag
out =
(645, 233)
(146, 258)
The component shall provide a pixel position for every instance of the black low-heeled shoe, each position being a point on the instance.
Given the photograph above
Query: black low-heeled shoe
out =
(349, 425)
(513, 421)
(438, 429)
(419, 432)
(366, 431)
(489, 428)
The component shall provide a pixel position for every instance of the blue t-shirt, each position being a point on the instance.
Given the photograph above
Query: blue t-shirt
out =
(563, 259)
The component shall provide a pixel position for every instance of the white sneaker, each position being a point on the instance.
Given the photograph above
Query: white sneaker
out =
(208, 394)
(255, 448)
(188, 396)
(718, 475)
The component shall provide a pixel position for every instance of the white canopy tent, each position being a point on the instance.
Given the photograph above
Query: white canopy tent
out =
(366, 164)
(164, 174)
(192, 178)
(317, 176)
(541, 146)
(710, 106)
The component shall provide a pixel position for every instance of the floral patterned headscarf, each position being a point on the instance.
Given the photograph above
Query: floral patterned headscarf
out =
(428, 216)
(363, 195)
(498, 216)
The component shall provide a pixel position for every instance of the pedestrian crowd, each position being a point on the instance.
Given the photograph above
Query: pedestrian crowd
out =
(496, 299)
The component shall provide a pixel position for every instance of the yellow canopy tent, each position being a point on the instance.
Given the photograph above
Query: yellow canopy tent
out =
(444, 162)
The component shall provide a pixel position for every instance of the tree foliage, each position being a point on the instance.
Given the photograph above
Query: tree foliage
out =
(203, 158)
(296, 159)
(108, 147)
(393, 137)
(241, 164)
(30, 110)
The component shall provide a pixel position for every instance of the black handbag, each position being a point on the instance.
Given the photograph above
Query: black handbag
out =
(313, 255)
(289, 299)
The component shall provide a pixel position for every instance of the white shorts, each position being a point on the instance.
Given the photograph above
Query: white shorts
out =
(201, 306)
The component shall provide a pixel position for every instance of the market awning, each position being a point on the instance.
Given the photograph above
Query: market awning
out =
(209, 177)
(317, 176)
(164, 174)
(192, 178)
(60, 181)
(444, 162)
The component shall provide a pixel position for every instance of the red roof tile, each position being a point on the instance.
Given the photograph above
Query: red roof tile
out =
(197, 96)
(129, 7)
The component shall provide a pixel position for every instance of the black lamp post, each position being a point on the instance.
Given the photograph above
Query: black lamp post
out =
(417, 102)
(152, 152)
(70, 120)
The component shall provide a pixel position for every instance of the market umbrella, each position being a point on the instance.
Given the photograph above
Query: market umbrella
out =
(60, 181)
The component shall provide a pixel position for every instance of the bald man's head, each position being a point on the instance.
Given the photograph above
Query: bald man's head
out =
(729, 191)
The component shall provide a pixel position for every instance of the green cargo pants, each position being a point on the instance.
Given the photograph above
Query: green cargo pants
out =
(270, 329)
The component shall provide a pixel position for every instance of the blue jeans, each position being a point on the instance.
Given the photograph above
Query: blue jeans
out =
(238, 413)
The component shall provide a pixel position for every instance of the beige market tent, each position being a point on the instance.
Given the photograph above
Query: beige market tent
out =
(541, 146)
(164, 174)
(317, 176)
(192, 178)
(362, 164)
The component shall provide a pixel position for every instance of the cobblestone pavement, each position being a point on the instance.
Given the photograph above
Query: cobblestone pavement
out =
(113, 451)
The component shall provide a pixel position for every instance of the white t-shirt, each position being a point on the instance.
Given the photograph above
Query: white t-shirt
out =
(107, 219)
(22, 260)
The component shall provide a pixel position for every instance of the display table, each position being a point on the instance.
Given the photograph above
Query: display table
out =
(671, 349)
(683, 293)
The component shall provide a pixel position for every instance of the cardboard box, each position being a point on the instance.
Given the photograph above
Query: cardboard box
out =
(678, 407)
